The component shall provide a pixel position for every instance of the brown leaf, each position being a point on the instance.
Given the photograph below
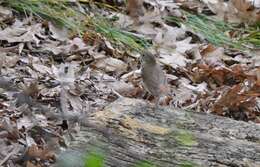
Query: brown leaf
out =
(35, 152)
(220, 75)
(243, 5)
(239, 101)
(209, 48)
(247, 11)
(32, 90)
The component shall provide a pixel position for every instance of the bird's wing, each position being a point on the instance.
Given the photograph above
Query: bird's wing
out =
(153, 80)
(160, 75)
(162, 81)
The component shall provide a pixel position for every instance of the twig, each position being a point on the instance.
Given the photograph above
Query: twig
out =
(15, 149)
(116, 93)
(9, 49)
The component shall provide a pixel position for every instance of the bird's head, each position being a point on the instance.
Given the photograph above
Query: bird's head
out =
(148, 58)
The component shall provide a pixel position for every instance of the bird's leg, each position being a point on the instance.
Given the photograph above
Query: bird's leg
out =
(157, 102)
(145, 95)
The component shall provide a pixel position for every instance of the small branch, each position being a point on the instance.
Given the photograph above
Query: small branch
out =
(14, 151)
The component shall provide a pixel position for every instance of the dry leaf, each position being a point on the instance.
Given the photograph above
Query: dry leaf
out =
(5, 14)
(35, 152)
(110, 64)
(21, 34)
(58, 33)
(246, 10)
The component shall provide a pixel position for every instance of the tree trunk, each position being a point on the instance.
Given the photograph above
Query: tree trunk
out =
(129, 131)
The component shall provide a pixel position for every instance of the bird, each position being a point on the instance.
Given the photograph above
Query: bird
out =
(135, 9)
(153, 77)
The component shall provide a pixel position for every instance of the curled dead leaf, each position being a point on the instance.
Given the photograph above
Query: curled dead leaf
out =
(110, 64)
(34, 152)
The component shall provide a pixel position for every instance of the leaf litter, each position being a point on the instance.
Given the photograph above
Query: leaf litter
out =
(51, 77)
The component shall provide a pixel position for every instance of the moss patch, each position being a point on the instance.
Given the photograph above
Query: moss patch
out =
(94, 159)
(144, 164)
(188, 164)
(185, 138)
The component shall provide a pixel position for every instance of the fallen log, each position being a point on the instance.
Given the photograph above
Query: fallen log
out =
(130, 131)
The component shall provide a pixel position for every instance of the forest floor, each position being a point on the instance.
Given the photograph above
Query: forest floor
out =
(63, 60)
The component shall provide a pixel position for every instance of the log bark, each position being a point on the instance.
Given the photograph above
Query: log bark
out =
(129, 131)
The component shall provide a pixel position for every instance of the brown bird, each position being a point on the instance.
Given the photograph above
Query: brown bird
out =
(154, 79)
(135, 9)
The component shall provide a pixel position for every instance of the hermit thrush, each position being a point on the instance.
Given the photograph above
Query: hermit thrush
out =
(154, 79)
(135, 9)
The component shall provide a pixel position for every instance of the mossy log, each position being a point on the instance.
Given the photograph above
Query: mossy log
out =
(129, 131)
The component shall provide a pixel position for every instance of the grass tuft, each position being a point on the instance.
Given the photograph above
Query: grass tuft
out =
(218, 32)
(58, 11)
(64, 14)
(213, 31)
(116, 36)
